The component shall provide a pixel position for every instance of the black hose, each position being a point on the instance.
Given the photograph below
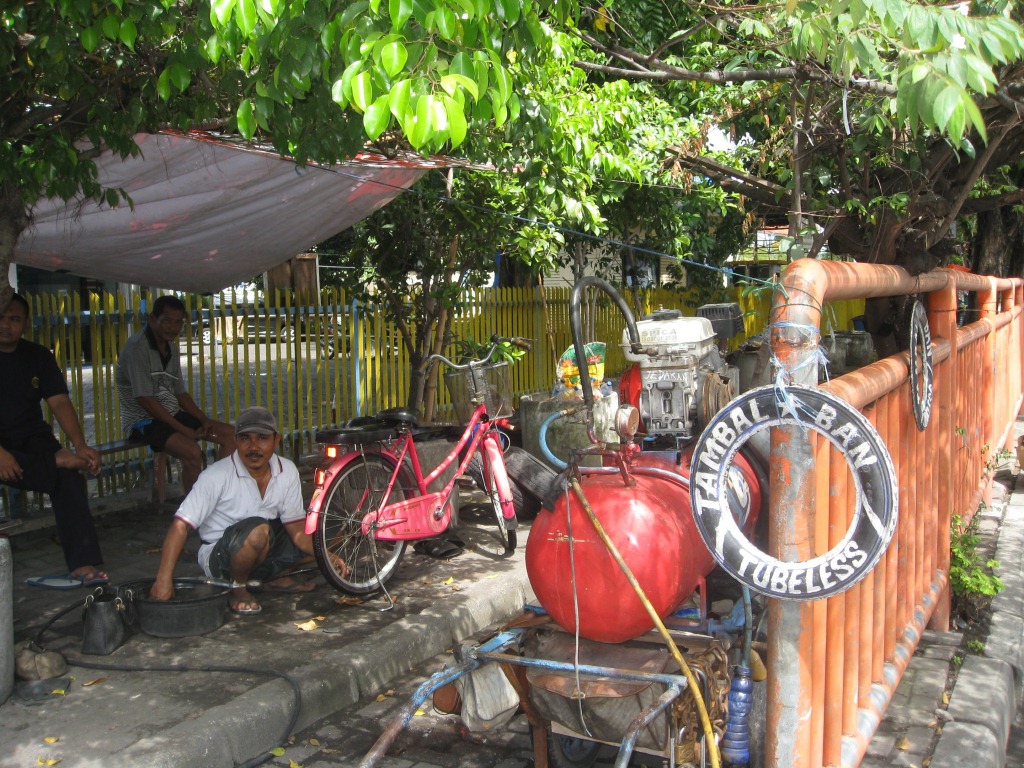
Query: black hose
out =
(575, 324)
(80, 662)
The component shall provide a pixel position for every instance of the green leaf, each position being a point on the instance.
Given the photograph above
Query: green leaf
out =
(974, 115)
(245, 16)
(244, 118)
(128, 33)
(346, 82)
(353, 12)
(947, 103)
(377, 117)
(456, 121)
(400, 11)
(111, 27)
(180, 76)
(511, 10)
(421, 129)
(220, 11)
(502, 82)
(163, 85)
(362, 91)
(451, 83)
(393, 57)
(90, 38)
(398, 99)
(446, 22)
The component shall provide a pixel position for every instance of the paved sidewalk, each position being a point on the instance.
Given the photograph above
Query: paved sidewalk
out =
(207, 718)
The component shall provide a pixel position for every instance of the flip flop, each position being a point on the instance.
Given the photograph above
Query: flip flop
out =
(245, 611)
(93, 578)
(297, 587)
(55, 581)
(443, 549)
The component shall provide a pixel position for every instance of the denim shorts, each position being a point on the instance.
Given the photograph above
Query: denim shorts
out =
(283, 552)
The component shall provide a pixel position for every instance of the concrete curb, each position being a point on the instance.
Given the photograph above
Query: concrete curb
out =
(983, 703)
(253, 723)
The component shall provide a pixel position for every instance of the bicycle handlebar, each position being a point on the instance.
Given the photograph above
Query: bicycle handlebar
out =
(516, 341)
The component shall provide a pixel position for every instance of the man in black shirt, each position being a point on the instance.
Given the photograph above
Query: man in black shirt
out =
(31, 458)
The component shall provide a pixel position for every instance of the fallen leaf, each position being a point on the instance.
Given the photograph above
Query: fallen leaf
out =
(320, 618)
(456, 588)
(347, 600)
(329, 751)
(389, 692)
(58, 692)
(419, 713)
(382, 697)
(945, 698)
(293, 764)
(154, 550)
(314, 742)
(449, 580)
(51, 739)
(492, 576)
(933, 723)
(926, 762)
(47, 760)
(903, 743)
(97, 681)
(308, 626)
(277, 751)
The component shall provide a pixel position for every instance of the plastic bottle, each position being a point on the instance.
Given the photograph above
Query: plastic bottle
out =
(736, 741)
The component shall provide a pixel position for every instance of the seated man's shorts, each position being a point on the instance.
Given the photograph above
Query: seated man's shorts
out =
(283, 552)
(156, 433)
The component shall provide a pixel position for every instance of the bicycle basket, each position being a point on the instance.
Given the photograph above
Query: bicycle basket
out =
(491, 382)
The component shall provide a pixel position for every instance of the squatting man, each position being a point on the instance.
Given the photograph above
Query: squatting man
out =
(248, 511)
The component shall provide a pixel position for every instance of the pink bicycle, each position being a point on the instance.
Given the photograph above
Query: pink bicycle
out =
(373, 497)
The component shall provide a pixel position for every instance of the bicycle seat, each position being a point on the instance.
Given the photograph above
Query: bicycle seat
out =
(399, 416)
(369, 433)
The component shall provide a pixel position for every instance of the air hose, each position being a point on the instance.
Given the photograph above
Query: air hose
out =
(694, 684)
(80, 662)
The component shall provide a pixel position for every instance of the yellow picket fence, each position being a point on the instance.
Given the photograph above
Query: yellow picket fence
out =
(319, 365)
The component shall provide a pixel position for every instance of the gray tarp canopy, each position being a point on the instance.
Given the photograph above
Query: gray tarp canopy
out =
(207, 213)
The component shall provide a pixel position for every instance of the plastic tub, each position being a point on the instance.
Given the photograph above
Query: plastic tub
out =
(198, 607)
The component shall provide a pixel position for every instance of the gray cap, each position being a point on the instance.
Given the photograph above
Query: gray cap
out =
(256, 420)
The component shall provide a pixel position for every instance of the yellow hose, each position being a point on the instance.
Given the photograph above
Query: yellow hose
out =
(705, 719)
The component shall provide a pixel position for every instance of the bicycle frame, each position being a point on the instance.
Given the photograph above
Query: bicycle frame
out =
(428, 513)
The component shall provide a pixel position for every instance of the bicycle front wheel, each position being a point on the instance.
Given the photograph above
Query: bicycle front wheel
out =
(497, 488)
(359, 488)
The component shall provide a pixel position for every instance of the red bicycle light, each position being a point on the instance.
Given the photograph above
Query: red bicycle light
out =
(319, 476)
(331, 451)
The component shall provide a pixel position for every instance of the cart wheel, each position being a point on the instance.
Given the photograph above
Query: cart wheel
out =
(571, 751)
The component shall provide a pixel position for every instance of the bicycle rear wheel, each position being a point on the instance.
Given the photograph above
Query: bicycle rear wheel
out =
(359, 488)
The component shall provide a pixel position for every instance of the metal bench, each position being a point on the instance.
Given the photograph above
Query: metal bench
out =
(160, 467)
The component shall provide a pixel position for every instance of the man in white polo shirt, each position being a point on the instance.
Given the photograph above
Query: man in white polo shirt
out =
(248, 511)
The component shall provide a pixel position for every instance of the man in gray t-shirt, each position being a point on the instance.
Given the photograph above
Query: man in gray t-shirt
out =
(155, 406)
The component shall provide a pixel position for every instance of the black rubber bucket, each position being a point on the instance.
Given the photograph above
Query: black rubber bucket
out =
(198, 607)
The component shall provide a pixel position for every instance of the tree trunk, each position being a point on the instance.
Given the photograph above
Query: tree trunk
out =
(989, 249)
(13, 220)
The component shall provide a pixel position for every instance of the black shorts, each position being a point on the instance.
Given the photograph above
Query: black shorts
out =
(156, 433)
(283, 552)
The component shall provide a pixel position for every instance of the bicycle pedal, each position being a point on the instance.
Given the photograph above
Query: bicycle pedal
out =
(465, 481)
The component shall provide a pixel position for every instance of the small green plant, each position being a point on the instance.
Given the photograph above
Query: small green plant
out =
(970, 576)
(975, 646)
(470, 349)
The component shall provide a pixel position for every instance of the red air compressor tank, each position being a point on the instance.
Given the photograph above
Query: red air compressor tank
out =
(650, 522)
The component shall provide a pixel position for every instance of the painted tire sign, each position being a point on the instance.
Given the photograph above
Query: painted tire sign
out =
(873, 475)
